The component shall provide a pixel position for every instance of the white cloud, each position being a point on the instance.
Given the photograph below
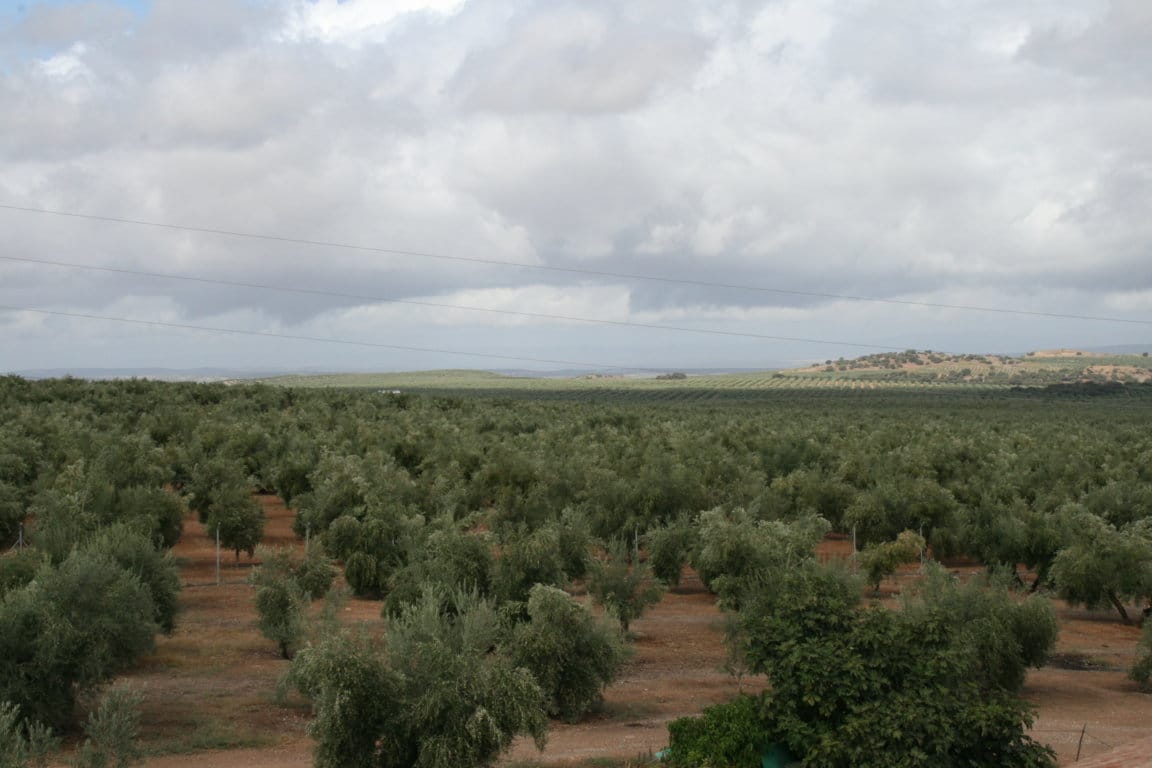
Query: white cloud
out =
(356, 22)
(990, 152)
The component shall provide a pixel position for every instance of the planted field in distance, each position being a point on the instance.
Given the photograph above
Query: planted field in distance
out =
(906, 371)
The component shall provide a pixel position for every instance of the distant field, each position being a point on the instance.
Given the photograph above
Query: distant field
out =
(908, 371)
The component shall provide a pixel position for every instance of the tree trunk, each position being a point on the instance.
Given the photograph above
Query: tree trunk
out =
(1041, 577)
(1119, 606)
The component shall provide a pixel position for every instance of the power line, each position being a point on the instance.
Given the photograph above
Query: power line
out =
(567, 270)
(437, 305)
(327, 340)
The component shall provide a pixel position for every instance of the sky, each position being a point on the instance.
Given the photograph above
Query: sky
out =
(559, 184)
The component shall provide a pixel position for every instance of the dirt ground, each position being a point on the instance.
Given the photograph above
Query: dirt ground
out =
(210, 690)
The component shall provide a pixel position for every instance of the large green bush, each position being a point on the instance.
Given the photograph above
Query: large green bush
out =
(854, 686)
(435, 695)
(69, 630)
(728, 734)
(572, 655)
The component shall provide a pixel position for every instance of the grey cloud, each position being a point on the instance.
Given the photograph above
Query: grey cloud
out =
(53, 27)
(576, 58)
(1112, 50)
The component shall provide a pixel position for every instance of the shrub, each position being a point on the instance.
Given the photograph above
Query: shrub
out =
(626, 589)
(669, 547)
(342, 537)
(18, 569)
(156, 570)
(435, 696)
(529, 559)
(451, 561)
(22, 744)
(315, 573)
(872, 686)
(571, 654)
(70, 629)
(726, 734)
(112, 731)
(736, 550)
(880, 560)
(284, 588)
(362, 572)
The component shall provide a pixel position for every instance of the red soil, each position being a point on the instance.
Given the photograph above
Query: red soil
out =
(214, 681)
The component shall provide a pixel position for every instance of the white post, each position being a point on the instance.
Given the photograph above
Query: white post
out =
(217, 555)
(307, 537)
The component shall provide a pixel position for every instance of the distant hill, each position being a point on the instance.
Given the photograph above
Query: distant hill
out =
(1041, 368)
(886, 370)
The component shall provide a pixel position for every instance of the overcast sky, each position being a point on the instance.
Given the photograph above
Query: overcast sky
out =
(991, 153)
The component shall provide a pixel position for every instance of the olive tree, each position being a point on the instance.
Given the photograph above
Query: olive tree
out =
(736, 550)
(69, 630)
(434, 695)
(572, 655)
(855, 686)
(1102, 564)
(285, 586)
(623, 584)
(882, 559)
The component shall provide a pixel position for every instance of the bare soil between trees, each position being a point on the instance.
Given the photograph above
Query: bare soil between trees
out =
(210, 690)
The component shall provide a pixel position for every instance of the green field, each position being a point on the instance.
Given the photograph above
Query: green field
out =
(922, 372)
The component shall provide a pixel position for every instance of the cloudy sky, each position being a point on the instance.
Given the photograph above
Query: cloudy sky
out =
(719, 182)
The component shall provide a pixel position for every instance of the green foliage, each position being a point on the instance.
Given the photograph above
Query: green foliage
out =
(358, 704)
(316, 572)
(625, 588)
(154, 511)
(284, 588)
(450, 561)
(156, 570)
(238, 518)
(11, 513)
(281, 607)
(1005, 634)
(528, 559)
(213, 482)
(574, 539)
(342, 537)
(873, 687)
(22, 744)
(362, 572)
(18, 569)
(728, 734)
(434, 697)
(571, 655)
(113, 732)
(1102, 564)
(669, 548)
(70, 629)
(736, 550)
(901, 503)
(880, 560)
